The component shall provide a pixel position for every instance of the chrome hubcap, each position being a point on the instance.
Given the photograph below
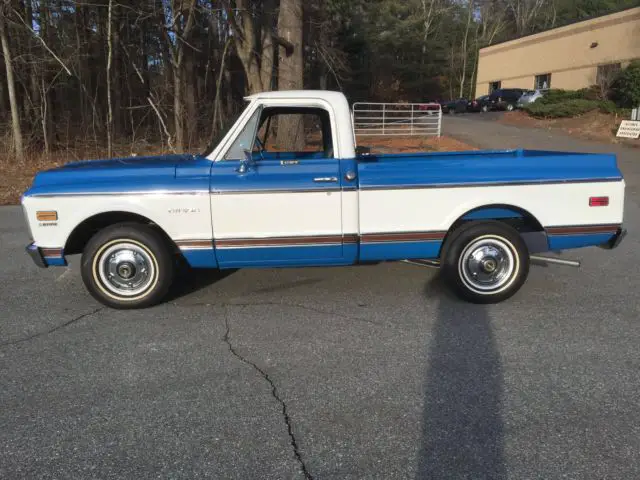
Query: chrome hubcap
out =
(487, 264)
(126, 269)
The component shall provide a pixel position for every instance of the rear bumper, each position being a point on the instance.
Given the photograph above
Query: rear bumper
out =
(615, 240)
(36, 255)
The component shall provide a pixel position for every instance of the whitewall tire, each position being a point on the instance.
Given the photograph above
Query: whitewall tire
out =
(485, 262)
(127, 266)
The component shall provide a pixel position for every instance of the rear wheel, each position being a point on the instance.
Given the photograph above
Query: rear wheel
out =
(127, 266)
(485, 262)
(510, 107)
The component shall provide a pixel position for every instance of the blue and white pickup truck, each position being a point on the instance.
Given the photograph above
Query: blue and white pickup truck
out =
(250, 203)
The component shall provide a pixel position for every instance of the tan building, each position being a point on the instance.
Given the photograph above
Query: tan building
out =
(571, 57)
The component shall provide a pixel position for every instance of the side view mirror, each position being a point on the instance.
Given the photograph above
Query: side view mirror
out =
(362, 150)
(246, 162)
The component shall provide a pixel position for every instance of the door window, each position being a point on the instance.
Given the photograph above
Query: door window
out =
(244, 141)
(295, 130)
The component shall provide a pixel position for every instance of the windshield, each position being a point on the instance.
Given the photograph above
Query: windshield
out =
(221, 132)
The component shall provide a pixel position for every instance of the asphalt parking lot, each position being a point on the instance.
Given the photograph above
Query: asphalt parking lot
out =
(363, 372)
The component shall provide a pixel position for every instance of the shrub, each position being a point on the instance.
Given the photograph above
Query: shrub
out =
(571, 107)
(594, 92)
(626, 87)
(557, 95)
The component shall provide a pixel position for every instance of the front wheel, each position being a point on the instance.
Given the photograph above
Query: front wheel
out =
(485, 262)
(127, 266)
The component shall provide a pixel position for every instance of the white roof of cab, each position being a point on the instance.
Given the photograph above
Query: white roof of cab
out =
(342, 128)
(328, 95)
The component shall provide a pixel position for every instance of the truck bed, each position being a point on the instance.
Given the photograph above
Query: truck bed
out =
(485, 167)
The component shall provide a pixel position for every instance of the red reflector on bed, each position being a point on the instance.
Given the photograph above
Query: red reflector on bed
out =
(598, 201)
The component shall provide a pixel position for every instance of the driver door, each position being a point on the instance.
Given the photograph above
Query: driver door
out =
(277, 201)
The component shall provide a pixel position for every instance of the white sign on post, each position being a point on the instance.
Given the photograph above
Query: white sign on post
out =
(629, 129)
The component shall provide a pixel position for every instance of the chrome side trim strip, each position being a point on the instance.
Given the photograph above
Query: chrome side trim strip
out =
(491, 184)
(263, 192)
(582, 229)
(143, 192)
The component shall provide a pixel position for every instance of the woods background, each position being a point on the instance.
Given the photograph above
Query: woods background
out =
(102, 77)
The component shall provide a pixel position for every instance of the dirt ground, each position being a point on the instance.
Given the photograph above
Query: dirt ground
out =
(601, 127)
(15, 179)
(413, 144)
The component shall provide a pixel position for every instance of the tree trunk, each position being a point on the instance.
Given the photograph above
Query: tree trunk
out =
(178, 108)
(290, 72)
(190, 98)
(465, 43)
(116, 92)
(109, 62)
(216, 103)
(15, 115)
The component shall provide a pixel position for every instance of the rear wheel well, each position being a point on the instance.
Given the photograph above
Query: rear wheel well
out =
(81, 235)
(522, 221)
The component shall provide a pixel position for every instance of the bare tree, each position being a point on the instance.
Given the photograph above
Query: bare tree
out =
(15, 115)
(181, 27)
(464, 50)
(109, 64)
(291, 71)
(253, 41)
(526, 12)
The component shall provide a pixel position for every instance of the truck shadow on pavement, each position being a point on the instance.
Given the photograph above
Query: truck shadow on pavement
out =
(190, 281)
(462, 427)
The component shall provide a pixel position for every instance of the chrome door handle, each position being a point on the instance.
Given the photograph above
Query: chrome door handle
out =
(326, 179)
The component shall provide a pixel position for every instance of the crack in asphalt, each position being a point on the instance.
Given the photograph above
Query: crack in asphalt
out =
(278, 304)
(52, 330)
(274, 394)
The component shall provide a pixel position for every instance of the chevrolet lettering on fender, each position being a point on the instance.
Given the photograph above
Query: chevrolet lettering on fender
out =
(478, 215)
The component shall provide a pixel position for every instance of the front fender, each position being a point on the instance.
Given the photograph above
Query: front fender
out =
(180, 216)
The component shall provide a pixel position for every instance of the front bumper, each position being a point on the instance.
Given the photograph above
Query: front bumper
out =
(36, 255)
(46, 257)
(615, 240)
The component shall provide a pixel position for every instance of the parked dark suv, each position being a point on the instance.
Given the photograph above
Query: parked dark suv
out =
(505, 98)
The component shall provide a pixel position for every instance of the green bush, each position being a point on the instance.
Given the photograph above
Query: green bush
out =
(557, 95)
(594, 92)
(626, 86)
(571, 107)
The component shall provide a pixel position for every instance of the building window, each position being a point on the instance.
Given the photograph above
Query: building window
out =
(493, 86)
(543, 82)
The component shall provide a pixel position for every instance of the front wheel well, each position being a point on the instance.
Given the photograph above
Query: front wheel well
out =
(81, 235)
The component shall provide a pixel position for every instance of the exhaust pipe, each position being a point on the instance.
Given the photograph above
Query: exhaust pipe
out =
(555, 261)
(534, 258)
(423, 263)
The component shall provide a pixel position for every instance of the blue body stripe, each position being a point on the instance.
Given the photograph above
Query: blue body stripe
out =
(399, 250)
(201, 258)
(564, 242)
(492, 213)
(287, 256)
(269, 175)
(55, 261)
